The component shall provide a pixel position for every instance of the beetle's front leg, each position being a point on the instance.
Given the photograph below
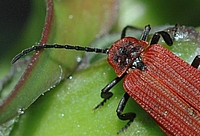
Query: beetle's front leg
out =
(105, 94)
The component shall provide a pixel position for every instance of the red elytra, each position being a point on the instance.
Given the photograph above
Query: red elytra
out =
(168, 89)
(164, 85)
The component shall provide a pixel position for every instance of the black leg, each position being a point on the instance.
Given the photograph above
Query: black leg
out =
(123, 34)
(145, 33)
(166, 36)
(126, 116)
(196, 61)
(105, 94)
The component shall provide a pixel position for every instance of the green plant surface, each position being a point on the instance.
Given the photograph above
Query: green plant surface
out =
(48, 68)
(68, 108)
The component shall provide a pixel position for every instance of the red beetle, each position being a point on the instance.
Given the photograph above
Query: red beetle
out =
(163, 84)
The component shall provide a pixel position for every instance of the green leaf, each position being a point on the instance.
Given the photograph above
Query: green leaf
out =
(47, 68)
(68, 108)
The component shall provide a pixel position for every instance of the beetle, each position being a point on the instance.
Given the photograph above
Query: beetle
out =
(163, 84)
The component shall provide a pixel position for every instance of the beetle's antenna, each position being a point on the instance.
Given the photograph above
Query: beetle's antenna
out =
(68, 47)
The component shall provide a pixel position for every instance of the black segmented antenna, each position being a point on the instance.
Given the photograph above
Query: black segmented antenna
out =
(68, 47)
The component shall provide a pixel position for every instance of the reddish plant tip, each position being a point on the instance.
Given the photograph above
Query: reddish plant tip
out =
(123, 52)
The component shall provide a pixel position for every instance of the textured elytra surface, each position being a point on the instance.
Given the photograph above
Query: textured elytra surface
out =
(169, 90)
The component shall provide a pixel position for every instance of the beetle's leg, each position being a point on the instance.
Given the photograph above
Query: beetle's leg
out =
(124, 116)
(105, 94)
(145, 32)
(196, 61)
(123, 34)
(166, 36)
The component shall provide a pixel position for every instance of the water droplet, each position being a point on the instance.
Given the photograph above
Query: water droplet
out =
(78, 59)
(53, 86)
(61, 74)
(71, 16)
(62, 115)
(70, 77)
(20, 111)
(36, 53)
